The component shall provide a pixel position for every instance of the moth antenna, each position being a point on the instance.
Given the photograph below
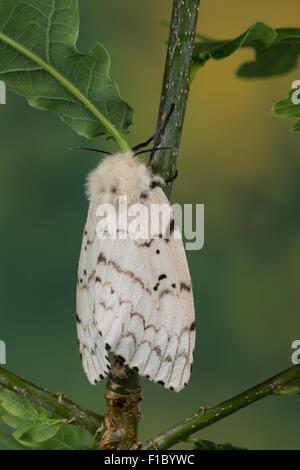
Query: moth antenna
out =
(151, 150)
(159, 136)
(91, 150)
(143, 144)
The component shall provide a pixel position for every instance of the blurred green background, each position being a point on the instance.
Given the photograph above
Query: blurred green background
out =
(236, 158)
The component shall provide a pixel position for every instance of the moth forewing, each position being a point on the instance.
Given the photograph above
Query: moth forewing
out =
(134, 293)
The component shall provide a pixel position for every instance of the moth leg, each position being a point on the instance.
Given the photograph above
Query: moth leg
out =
(163, 128)
(170, 180)
(160, 134)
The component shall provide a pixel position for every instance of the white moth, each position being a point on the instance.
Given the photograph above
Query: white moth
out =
(134, 297)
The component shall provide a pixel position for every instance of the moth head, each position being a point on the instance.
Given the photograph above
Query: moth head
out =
(118, 175)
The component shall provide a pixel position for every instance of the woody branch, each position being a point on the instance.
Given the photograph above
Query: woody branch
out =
(283, 384)
(124, 385)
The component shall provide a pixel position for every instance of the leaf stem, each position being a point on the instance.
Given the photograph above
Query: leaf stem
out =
(124, 146)
(176, 85)
(207, 416)
(58, 403)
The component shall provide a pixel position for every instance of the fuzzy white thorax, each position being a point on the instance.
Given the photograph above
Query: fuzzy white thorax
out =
(119, 174)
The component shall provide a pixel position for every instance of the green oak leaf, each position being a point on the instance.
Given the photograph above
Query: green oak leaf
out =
(20, 408)
(276, 50)
(39, 60)
(69, 437)
(10, 442)
(288, 110)
(35, 429)
(19, 433)
(14, 421)
(40, 433)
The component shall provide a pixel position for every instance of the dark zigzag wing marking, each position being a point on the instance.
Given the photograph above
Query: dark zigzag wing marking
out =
(102, 259)
(117, 263)
(134, 313)
(125, 332)
(132, 334)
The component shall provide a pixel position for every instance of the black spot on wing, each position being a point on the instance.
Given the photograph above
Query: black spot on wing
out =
(154, 184)
(120, 360)
(184, 286)
(101, 259)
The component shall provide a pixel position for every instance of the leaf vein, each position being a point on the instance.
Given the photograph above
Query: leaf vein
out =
(49, 31)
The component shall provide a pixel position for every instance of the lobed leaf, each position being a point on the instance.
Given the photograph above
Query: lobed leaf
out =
(39, 60)
(34, 429)
(276, 50)
(69, 438)
(10, 442)
(20, 409)
(289, 110)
